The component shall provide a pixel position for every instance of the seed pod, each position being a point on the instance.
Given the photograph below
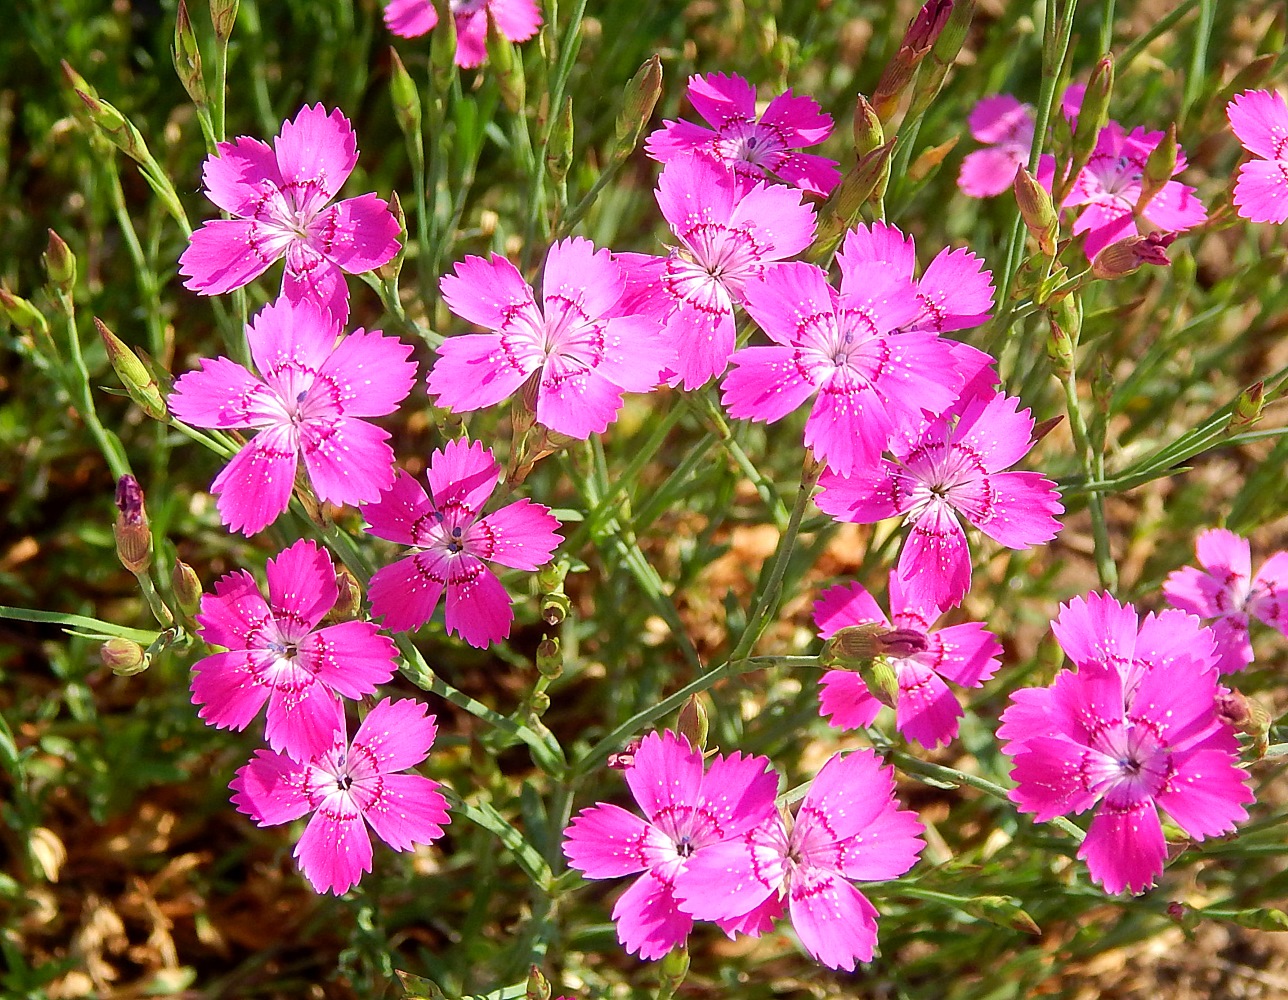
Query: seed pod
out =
(549, 657)
(1065, 317)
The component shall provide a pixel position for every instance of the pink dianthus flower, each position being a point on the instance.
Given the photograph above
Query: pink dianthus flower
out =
(516, 20)
(581, 353)
(727, 237)
(944, 470)
(925, 710)
(451, 539)
(307, 402)
(1135, 729)
(277, 654)
(685, 811)
(1227, 591)
(1260, 120)
(754, 148)
(349, 787)
(848, 827)
(280, 200)
(1005, 126)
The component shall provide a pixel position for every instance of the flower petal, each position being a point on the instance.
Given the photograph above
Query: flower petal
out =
(404, 810)
(316, 152)
(301, 587)
(521, 535)
(255, 487)
(228, 253)
(335, 849)
(1124, 848)
(405, 593)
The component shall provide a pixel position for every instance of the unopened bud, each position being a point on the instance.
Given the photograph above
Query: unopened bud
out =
(922, 33)
(638, 102)
(405, 96)
(23, 314)
(1247, 407)
(442, 46)
(1159, 167)
(549, 657)
(865, 642)
(624, 759)
(1127, 255)
(882, 681)
(930, 159)
(186, 55)
(75, 81)
(550, 577)
(672, 969)
(1037, 210)
(123, 656)
(119, 129)
(1093, 115)
(187, 587)
(507, 68)
(538, 704)
(223, 15)
(694, 722)
(538, 985)
(60, 264)
(139, 384)
(133, 536)
(348, 602)
(868, 134)
(953, 36)
(559, 149)
(1232, 708)
(390, 270)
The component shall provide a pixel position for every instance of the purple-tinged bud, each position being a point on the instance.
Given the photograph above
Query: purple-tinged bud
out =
(1247, 407)
(538, 985)
(1159, 167)
(1232, 708)
(952, 36)
(186, 55)
(133, 536)
(868, 134)
(694, 723)
(1044, 427)
(187, 587)
(549, 657)
(926, 27)
(1037, 210)
(624, 759)
(866, 642)
(60, 264)
(22, 314)
(1129, 254)
(1093, 115)
(119, 129)
(638, 102)
(921, 35)
(123, 656)
(75, 81)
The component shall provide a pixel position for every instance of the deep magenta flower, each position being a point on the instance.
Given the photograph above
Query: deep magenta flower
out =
(452, 542)
(727, 237)
(1226, 590)
(1110, 184)
(516, 20)
(280, 200)
(1135, 729)
(849, 826)
(277, 654)
(307, 402)
(844, 351)
(1005, 126)
(925, 710)
(583, 351)
(684, 811)
(757, 149)
(945, 470)
(1260, 120)
(349, 787)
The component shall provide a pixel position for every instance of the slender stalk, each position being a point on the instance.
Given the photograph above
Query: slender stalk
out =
(79, 387)
(1163, 24)
(1091, 461)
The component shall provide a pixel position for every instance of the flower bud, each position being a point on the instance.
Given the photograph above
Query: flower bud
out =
(123, 656)
(405, 96)
(119, 129)
(868, 134)
(865, 642)
(60, 264)
(348, 603)
(672, 969)
(75, 81)
(223, 14)
(139, 384)
(1247, 407)
(133, 536)
(624, 759)
(390, 270)
(538, 704)
(1065, 317)
(953, 35)
(559, 149)
(882, 681)
(1128, 254)
(507, 67)
(442, 47)
(1093, 115)
(186, 586)
(22, 314)
(186, 55)
(549, 657)
(538, 985)
(1037, 210)
(1159, 167)
(694, 722)
(922, 33)
(638, 102)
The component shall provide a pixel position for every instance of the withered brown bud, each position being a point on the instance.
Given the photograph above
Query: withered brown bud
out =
(1128, 255)
(133, 536)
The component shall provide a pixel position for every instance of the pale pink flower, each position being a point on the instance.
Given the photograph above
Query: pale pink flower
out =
(1135, 729)
(1005, 126)
(515, 20)
(307, 402)
(925, 710)
(349, 787)
(844, 351)
(277, 654)
(755, 148)
(1110, 185)
(848, 827)
(1226, 590)
(1260, 120)
(948, 469)
(582, 352)
(727, 237)
(685, 810)
(452, 541)
(280, 200)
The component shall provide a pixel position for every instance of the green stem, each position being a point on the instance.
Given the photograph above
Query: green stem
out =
(108, 443)
(157, 606)
(142, 637)
(1091, 461)
(1161, 25)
